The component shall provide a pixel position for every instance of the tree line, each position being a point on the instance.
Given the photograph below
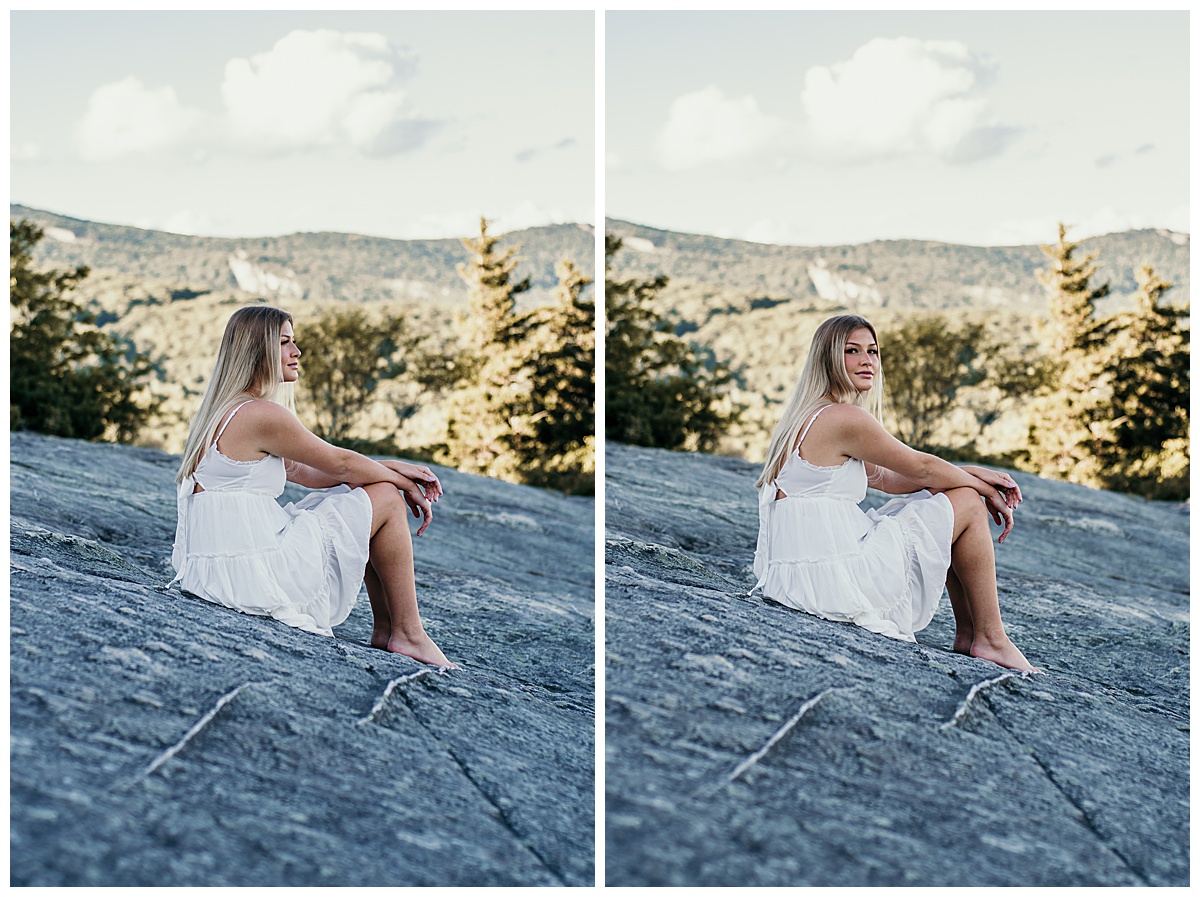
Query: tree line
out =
(519, 386)
(1107, 397)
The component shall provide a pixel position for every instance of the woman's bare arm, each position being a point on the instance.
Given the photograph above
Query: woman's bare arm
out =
(310, 477)
(889, 481)
(315, 463)
(306, 475)
(859, 435)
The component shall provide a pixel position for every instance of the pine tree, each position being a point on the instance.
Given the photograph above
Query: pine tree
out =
(67, 377)
(478, 427)
(1066, 424)
(553, 418)
(1146, 446)
(493, 292)
(657, 389)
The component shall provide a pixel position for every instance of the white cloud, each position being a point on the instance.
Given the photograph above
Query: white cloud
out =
(903, 96)
(24, 152)
(706, 126)
(320, 88)
(312, 89)
(127, 118)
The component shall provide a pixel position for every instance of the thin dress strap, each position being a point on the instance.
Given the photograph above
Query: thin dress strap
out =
(228, 419)
(811, 421)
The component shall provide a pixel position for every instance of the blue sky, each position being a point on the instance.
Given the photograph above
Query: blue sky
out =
(399, 124)
(822, 128)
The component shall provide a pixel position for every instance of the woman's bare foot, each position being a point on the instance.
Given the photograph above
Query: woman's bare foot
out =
(962, 642)
(1003, 652)
(380, 637)
(422, 649)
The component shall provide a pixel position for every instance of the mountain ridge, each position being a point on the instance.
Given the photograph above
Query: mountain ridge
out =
(894, 273)
(305, 266)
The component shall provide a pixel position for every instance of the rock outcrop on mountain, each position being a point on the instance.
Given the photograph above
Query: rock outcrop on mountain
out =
(750, 744)
(319, 267)
(904, 274)
(158, 739)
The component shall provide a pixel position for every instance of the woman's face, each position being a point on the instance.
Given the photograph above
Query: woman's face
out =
(862, 359)
(289, 354)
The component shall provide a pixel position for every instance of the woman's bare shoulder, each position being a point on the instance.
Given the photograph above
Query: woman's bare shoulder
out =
(265, 413)
(846, 415)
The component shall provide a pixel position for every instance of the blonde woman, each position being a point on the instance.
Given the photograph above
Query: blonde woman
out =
(882, 570)
(302, 564)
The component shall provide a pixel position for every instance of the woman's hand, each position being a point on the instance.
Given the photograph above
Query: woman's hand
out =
(1001, 481)
(1001, 495)
(1002, 513)
(417, 502)
(422, 476)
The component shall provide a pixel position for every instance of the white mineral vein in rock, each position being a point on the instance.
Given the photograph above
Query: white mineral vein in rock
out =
(382, 702)
(783, 730)
(194, 730)
(976, 689)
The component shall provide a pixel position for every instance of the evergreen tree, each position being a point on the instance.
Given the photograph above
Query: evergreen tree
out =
(478, 425)
(657, 389)
(67, 377)
(1145, 447)
(553, 419)
(1065, 425)
(524, 407)
(350, 356)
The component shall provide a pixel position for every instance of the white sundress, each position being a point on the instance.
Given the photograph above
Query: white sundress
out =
(819, 552)
(301, 564)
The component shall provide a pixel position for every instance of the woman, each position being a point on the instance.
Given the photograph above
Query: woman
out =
(302, 564)
(883, 570)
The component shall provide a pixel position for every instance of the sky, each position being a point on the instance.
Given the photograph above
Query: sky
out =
(395, 124)
(825, 128)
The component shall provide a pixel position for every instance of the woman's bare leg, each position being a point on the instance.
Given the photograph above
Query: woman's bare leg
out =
(964, 627)
(381, 631)
(391, 560)
(973, 561)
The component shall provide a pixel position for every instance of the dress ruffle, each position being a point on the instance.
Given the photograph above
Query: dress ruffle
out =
(301, 564)
(883, 570)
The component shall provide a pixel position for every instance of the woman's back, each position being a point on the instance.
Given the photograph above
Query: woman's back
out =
(819, 552)
(798, 477)
(217, 472)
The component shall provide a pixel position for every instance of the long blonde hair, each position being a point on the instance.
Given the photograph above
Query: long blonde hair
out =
(248, 365)
(824, 377)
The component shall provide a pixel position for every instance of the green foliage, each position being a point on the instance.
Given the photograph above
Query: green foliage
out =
(67, 377)
(349, 356)
(926, 363)
(1117, 414)
(477, 428)
(1062, 441)
(554, 422)
(1144, 445)
(658, 390)
(523, 409)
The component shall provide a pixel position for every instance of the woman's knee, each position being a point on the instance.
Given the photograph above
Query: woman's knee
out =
(967, 505)
(386, 502)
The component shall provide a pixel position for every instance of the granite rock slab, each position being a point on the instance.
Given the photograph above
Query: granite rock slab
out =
(158, 739)
(748, 744)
